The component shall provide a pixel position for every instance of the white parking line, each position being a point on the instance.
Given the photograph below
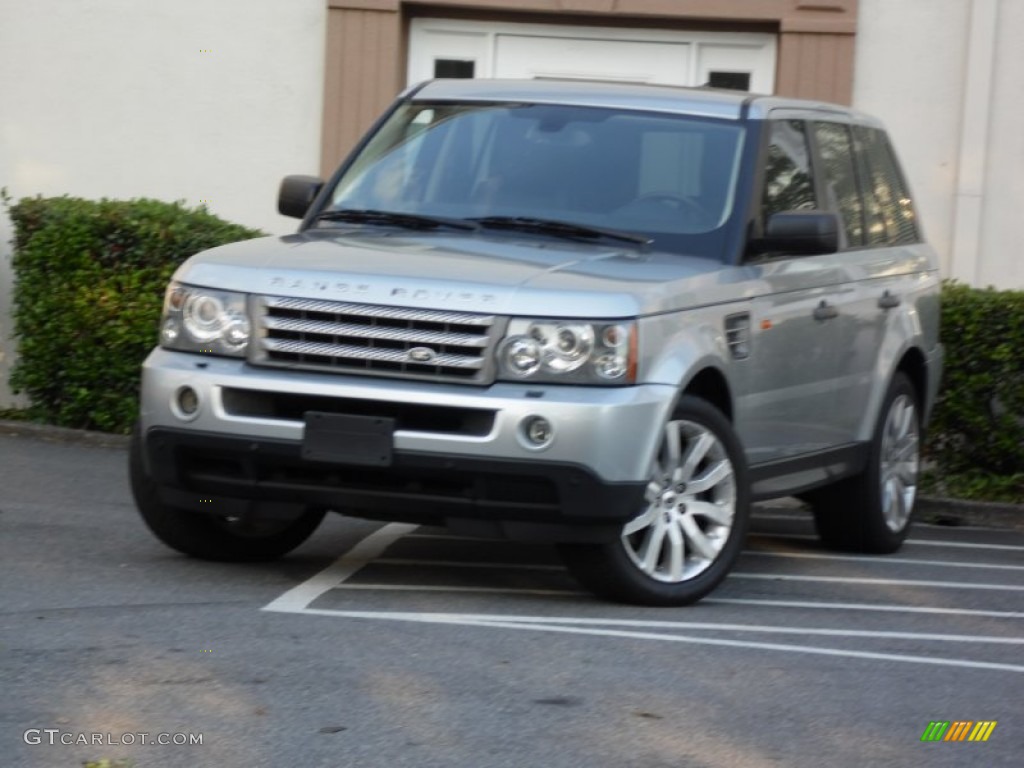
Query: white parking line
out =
(767, 629)
(373, 546)
(734, 574)
(447, 588)
(754, 602)
(499, 622)
(816, 605)
(467, 564)
(888, 560)
(370, 549)
(880, 582)
(965, 545)
(759, 535)
(912, 542)
(297, 598)
(756, 552)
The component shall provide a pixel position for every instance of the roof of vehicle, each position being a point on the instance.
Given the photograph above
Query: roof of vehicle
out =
(704, 102)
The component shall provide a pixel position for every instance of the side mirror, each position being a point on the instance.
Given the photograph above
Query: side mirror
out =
(296, 194)
(799, 232)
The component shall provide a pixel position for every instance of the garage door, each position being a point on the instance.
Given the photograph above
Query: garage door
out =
(444, 48)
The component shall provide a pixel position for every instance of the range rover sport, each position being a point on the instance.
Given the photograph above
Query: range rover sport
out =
(609, 316)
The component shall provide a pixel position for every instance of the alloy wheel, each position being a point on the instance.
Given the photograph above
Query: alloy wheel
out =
(691, 506)
(899, 462)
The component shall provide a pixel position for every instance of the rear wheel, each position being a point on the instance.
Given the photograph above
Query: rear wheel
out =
(872, 511)
(211, 537)
(690, 531)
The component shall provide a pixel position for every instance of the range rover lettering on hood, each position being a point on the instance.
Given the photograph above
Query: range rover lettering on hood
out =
(425, 294)
(341, 287)
(323, 286)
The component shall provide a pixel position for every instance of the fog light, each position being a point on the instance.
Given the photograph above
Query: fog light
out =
(187, 402)
(538, 431)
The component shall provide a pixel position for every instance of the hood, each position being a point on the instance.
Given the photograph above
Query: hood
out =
(474, 273)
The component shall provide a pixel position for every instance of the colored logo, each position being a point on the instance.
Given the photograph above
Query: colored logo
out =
(959, 730)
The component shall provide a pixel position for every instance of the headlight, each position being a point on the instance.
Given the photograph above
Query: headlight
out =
(204, 320)
(569, 351)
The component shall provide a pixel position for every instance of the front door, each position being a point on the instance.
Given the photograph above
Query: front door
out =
(787, 404)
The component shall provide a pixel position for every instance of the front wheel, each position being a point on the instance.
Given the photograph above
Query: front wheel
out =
(211, 537)
(871, 512)
(690, 531)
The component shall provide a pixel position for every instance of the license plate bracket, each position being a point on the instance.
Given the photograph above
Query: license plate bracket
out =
(366, 441)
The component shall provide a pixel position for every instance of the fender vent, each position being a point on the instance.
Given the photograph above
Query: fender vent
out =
(737, 335)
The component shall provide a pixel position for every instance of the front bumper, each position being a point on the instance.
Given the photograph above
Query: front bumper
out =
(460, 454)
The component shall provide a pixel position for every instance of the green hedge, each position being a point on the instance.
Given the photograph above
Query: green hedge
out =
(90, 277)
(977, 430)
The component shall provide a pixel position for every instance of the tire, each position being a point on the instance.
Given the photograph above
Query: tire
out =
(872, 511)
(690, 533)
(209, 537)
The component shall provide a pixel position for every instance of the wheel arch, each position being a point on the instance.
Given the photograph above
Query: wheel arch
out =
(711, 385)
(913, 364)
(911, 361)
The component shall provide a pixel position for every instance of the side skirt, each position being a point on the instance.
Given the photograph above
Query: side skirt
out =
(785, 477)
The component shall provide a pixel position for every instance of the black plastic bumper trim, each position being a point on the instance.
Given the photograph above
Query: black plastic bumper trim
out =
(417, 487)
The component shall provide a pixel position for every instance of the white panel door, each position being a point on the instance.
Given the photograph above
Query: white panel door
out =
(633, 61)
(432, 47)
(456, 48)
(720, 63)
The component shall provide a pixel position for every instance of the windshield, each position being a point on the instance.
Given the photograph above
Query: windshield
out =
(665, 177)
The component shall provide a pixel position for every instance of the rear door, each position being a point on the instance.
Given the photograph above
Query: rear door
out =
(882, 267)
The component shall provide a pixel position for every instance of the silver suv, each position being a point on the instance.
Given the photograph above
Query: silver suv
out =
(606, 315)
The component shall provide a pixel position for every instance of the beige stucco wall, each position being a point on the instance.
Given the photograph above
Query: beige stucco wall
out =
(119, 98)
(945, 77)
(999, 258)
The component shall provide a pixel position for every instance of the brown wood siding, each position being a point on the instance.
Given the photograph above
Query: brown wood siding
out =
(579, 21)
(841, 12)
(815, 66)
(362, 77)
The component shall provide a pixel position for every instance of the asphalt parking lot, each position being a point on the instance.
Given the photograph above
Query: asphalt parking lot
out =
(393, 645)
(943, 602)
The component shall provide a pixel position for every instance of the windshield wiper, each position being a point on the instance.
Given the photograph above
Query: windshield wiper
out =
(556, 228)
(394, 219)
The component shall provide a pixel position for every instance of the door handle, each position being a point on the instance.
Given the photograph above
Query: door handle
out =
(889, 301)
(825, 311)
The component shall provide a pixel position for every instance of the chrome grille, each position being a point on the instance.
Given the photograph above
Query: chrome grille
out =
(375, 340)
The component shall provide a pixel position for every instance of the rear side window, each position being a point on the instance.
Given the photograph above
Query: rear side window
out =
(788, 181)
(889, 212)
(842, 195)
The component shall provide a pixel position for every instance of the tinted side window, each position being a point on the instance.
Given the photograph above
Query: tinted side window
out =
(788, 182)
(835, 148)
(890, 212)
